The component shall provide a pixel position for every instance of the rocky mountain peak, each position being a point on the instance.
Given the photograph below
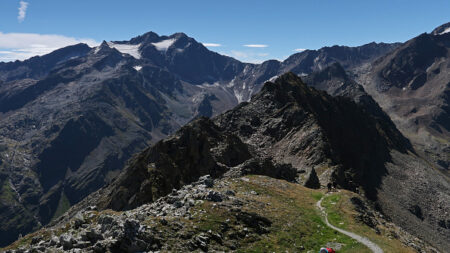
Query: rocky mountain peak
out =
(179, 35)
(335, 70)
(39, 66)
(107, 49)
(442, 29)
(103, 48)
(147, 37)
(289, 88)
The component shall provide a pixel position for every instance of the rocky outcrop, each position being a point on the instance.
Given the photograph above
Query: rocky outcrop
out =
(90, 230)
(312, 181)
(197, 149)
(298, 125)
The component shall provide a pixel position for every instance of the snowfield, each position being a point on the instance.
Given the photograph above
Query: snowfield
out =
(130, 49)
(164, 45)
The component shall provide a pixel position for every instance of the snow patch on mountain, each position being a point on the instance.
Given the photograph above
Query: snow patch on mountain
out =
(132, 50)
(210, 85)
(239, 95)
(273, 78)
(164, 45)
(447, 30)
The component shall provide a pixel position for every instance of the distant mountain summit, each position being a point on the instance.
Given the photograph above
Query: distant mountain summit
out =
(441, 30)
(412, 84)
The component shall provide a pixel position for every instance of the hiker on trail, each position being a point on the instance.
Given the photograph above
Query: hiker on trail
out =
(327, 250)
(329, 187)
(335, 186)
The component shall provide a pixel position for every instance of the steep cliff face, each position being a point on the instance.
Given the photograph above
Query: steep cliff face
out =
(296, 124)
(68, 133)
(197, 149)
(411, 84)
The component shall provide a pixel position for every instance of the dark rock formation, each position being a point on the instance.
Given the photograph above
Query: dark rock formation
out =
(312, 180)
(412, 84)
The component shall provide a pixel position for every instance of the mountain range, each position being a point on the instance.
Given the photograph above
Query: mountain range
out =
(70, 121)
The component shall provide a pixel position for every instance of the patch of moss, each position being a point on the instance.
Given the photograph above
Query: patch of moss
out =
(63, 206)
(7, 194)
(212, 218)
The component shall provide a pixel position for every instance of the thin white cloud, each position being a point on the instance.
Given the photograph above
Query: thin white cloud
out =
(21, 46)
(212, 44)
(256, 45)
(22, 11)
(299, 49)
(250, 57)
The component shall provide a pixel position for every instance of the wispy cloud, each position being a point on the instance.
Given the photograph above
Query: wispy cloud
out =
(22, 11)
(21, 46)
(247, 56)
(212, 44)
(299, 49)
(256, 45)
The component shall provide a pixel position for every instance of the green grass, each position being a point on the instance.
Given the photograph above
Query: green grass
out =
(7, 194)
(297, 225)
(341, 213)
(317, 195)
(334, 217)
(63, 206)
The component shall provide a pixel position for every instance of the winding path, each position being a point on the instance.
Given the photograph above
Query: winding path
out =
(364, 240)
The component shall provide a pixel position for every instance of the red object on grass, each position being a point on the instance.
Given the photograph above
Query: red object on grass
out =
(327, 250)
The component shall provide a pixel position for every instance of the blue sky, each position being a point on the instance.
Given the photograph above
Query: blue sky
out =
(31, 27)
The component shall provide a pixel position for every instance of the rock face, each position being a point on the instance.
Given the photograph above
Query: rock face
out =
(70, 119)
(412, 85)
(298, 125)
(67, 134)
(197, 149)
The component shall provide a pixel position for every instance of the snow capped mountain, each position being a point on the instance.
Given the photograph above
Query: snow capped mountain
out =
(441, 30)
(164, 44)
(447, 30)
(130, 49)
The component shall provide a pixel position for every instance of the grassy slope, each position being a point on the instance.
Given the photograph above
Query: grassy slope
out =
(296, 223)
(63, 206)
(341, 213)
